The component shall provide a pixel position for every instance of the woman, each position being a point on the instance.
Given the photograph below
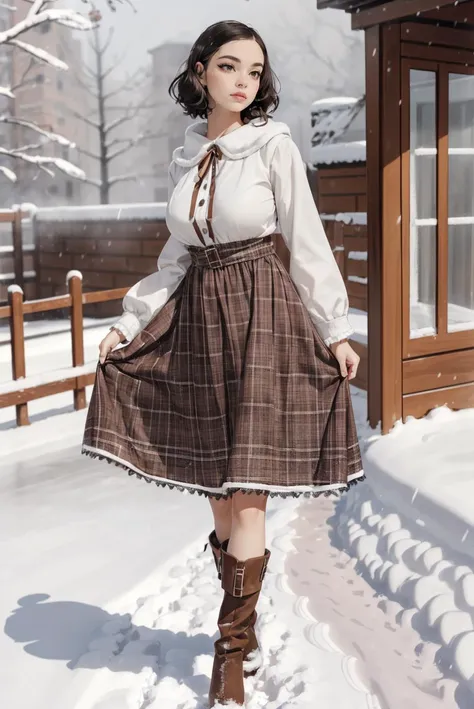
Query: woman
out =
(234, 382)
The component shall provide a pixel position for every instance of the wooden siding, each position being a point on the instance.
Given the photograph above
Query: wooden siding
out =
(340, 188)
(108, 254)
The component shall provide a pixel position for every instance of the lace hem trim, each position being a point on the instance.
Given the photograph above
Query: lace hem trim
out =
(231, 491)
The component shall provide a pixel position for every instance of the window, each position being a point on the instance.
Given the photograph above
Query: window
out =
(423, 203)
(461, 203)
(45, 27)
(69, 189)
(39, 79)
(59, 84)
(439, 222)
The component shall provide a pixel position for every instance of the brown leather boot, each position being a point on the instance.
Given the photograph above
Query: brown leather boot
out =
(242, 583)
(252, 653)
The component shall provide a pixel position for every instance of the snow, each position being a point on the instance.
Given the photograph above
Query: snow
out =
(47, 134)
(9, 174)
(54, 375)
(10, 249)
(151, 210)
(358, 279)
(15, 289)
(72, 274)
(110, 601)
(359, 218)
(10, 276)
(334, 101)
(329, 154)
(357, 255)
(411, 528)
(359, 321)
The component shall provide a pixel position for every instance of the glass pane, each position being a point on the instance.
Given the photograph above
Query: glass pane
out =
(461, 203)
(423, 203)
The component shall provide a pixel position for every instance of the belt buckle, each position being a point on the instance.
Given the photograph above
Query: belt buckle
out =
(214, 254)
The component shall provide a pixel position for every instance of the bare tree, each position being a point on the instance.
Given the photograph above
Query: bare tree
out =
(119, 116)
(12, 38)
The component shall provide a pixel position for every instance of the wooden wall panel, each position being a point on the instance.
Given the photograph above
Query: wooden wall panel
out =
(361, 379)
(438, 371)
(373, 51)
(333, 204)
(391, 270)
(108, 254)
(418, 405)
(341, 189)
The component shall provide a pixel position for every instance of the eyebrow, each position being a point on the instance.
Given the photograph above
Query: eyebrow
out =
(236, 59)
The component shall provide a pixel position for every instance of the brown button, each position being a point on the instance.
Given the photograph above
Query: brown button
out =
(202, 202)
(204, 231)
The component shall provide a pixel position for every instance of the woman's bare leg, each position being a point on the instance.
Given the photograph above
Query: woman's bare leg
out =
(247, 537)
(222, 512)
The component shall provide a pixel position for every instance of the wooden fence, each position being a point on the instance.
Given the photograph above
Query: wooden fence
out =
(17, 260)
(74, 379)
(349, 244)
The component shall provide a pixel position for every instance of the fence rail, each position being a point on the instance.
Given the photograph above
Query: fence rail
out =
(74, 378)
(17, 248)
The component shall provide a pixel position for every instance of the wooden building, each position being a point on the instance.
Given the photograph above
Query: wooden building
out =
(420, 203)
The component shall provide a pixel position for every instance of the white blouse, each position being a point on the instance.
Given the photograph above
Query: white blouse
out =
(259, 187)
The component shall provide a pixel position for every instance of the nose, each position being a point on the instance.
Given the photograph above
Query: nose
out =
(241, 83)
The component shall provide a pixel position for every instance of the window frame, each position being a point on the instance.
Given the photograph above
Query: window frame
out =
(442, 340)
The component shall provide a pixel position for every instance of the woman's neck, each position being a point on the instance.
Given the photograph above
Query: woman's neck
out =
(218, 125)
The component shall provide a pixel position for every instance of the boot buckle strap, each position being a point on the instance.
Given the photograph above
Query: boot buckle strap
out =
(238, 589)
(219, 567)
(264, 568)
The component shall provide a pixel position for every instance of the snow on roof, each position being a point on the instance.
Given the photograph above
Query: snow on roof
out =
(338, 120)
(331, 153)
(126, 212)
(334, 101)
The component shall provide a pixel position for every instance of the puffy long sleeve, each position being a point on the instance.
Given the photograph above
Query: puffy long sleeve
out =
(313, 267)
(146, 298)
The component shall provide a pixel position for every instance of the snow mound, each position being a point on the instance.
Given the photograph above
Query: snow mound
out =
(407, 545)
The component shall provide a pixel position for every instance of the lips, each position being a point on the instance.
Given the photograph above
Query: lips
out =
(239, 95)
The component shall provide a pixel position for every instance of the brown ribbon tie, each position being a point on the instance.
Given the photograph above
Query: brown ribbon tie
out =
(208, 162)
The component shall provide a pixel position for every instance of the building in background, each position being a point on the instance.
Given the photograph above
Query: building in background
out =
(47, 96)
(168, 118)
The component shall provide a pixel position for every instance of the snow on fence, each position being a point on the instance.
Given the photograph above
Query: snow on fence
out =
(24, 389)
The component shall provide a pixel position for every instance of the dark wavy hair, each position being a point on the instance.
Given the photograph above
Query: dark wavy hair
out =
(188, 91)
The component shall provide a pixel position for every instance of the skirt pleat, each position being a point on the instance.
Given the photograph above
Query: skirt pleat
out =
(229, 387)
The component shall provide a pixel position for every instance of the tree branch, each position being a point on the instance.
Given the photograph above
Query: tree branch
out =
(132, 143)
(48, 135)
(82, 151)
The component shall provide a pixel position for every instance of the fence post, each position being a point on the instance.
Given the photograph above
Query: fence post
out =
(17, 339)
(74, 282)
(17, 239)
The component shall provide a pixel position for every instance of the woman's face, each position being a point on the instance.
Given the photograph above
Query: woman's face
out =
(234, 69)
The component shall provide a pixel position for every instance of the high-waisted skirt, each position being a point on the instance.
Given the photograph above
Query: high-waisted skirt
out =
(229, 387)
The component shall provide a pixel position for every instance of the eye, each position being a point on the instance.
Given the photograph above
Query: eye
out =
(258, 74)
(222, 66)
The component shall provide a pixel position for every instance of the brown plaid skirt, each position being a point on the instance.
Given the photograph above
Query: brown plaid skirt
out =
(229, 387)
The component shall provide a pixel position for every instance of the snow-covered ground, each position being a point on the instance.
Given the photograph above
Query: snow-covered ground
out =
(109, 602)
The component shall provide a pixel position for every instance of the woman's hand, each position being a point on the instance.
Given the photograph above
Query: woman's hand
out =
(347, 358)
(110, 341)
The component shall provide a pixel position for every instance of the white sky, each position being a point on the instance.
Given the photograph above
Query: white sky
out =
(157, 21)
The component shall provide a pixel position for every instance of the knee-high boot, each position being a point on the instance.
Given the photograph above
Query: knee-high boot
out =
(252, 654)
(242, 583)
